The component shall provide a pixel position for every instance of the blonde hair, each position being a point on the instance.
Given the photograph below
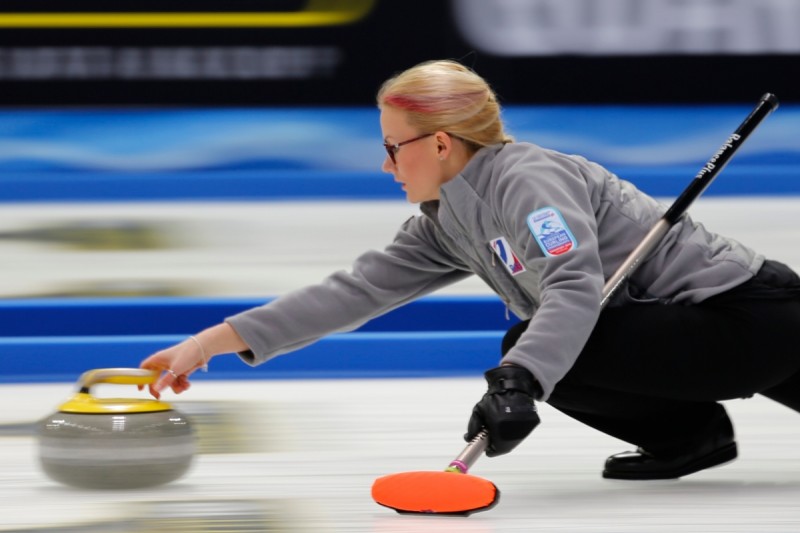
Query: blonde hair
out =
(447, 96)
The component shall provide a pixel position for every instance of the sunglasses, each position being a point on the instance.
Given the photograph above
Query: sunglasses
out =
(392, 149)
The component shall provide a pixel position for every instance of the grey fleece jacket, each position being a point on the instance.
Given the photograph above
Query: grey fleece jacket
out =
(544, 230)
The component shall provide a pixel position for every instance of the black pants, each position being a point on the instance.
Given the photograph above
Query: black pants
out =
(653, 374)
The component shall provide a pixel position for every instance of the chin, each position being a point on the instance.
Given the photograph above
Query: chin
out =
(417, 198)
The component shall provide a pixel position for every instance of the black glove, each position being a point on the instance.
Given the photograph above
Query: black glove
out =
(507, 410)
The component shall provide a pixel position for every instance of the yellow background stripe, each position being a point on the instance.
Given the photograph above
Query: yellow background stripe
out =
(317, 13)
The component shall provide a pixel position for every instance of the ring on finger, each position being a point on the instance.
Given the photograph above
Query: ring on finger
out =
(172, 373)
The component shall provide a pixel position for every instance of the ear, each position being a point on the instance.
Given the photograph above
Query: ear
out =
(444, 145)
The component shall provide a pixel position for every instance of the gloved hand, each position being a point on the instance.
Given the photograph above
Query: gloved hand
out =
(507, 410)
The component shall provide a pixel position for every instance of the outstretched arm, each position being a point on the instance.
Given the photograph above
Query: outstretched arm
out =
(178, 362)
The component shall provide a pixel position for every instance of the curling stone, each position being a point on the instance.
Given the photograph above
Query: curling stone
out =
(115, 443)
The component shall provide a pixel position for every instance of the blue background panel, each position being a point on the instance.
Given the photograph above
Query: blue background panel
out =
(57, 340)
(336, 153)
(45, 317)
(350, 355)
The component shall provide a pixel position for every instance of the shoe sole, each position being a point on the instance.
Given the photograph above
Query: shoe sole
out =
(718, 457)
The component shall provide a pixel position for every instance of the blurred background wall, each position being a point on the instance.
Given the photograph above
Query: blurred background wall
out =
(232, 148)
(336, 52)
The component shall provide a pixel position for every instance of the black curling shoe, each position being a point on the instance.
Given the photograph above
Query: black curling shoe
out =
(641, 465)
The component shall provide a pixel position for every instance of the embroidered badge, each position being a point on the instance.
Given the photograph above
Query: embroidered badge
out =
(551, 231)
(507, 257)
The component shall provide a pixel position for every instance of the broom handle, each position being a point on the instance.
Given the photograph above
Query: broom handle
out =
(470, 454)
(701, 181)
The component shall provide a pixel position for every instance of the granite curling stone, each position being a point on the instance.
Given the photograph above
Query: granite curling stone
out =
(115, 443)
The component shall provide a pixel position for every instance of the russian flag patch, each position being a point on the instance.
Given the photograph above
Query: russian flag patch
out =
(507, 256)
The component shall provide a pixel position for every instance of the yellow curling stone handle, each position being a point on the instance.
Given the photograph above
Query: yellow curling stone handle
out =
(120, 376)
(84, 402)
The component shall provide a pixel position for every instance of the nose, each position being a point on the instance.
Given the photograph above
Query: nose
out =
(387, 165)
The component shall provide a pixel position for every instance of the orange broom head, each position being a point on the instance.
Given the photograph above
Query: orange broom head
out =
(435, 493)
